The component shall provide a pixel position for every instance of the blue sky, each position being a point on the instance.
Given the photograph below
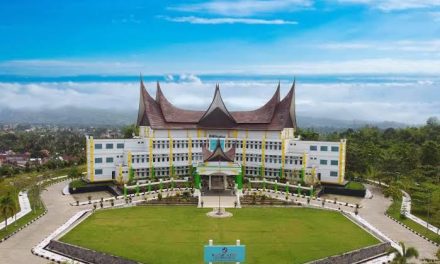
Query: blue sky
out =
(395, 43)
(158, 37)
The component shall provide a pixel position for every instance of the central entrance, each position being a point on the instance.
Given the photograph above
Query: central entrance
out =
(217, 182)
(218, 171)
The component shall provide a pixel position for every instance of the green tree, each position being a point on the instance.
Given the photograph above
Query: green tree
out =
(308, 134)
(129, 130)
(130, 175)
(74, 173)
(430, 153)
(8, 208)
(405, 255)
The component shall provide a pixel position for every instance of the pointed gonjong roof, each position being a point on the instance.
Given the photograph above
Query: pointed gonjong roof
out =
(218, 154)
(159, 113)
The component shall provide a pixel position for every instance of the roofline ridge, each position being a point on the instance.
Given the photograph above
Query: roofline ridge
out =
(218, 94)
(159, 92)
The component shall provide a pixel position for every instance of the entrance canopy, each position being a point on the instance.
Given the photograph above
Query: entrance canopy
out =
(218, 168)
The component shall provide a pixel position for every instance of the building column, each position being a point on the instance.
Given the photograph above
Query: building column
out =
(209, 182)
(225, 182)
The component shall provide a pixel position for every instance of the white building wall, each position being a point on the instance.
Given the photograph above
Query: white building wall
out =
(298, 154)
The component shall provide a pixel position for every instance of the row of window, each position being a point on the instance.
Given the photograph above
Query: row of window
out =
(183, 171)
(297, 160)
(332, 162)
(109, 146)
(254, 144)
(165, 144)
(324, 148)
(107, 160)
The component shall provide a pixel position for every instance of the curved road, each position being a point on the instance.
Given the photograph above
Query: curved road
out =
(374, 212)
(17, 249)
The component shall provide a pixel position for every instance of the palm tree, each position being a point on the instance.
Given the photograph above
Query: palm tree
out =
(373, 174)
(405, 255)
(7, 208)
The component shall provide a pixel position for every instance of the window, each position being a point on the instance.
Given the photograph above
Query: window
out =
(313, 148)
(323, 162)
(324, 148)
(334, 162)
(98, 146)
(109, 146)
(109, 160)
(120, 145)
(98, 171)
(335, 148)
(333, 173)
(98, 160)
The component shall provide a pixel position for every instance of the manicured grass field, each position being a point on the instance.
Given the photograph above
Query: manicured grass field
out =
(177, 234)
(355, 186)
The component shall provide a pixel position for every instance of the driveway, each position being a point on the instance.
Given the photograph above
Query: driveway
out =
(374, 212)
(17, 249)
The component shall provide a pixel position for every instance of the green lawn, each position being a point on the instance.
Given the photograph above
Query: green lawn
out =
(394, 211)
(177, 234)
(355, 186)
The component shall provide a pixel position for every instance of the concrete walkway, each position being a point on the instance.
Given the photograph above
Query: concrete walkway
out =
(17, 249)
(406, 206)
(374, 212)
(211, 201)
(25, 208)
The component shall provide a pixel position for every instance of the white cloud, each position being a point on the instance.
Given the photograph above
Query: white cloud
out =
(69, 67)
(189, 78)
(431, 46)
(436, 16)
(169, 77)
(409, 101)
(361, 66)
(365, 66)
(229, 20)
(243, 7)
(396, 5)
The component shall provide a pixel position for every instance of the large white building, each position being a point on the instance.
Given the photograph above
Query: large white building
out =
(217, 143)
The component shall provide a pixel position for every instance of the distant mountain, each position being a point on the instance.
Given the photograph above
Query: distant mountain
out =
(97, 117)
(68, 116)
(330, 125)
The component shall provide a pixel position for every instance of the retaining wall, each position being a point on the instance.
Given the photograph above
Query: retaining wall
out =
(85, 255)
(356, 255)
(342, 191)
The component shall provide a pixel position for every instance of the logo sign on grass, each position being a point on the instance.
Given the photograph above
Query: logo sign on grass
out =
(224, 253)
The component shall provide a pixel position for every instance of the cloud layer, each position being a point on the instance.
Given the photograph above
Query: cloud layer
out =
(229, 20)
(429, 66)
(396, 5)
(243, 7)
(401, 100)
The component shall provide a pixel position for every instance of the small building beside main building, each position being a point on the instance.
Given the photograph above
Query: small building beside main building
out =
(218, 144)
